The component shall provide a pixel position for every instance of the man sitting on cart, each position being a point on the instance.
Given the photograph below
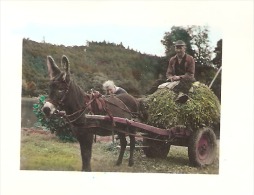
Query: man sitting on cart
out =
(181, 68)
(182, 65)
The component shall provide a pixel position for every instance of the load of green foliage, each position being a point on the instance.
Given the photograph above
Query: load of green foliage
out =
(55, 124)
(201, 109)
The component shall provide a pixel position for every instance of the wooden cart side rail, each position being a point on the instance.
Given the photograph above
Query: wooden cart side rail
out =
(133, 123)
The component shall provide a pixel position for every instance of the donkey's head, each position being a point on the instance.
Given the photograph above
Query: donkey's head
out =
(59, 85)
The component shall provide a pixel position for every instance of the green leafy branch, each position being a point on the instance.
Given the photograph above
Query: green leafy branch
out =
(57, 125)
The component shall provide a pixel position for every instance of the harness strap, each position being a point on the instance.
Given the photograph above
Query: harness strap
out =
(126, 109)
(96, 97)
(66, 92)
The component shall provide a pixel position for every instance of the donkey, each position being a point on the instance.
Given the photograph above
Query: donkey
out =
(68, 98)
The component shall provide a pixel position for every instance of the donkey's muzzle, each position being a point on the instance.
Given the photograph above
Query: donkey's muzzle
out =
(48, 109)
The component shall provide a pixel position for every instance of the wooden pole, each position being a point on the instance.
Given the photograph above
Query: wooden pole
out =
(217, 73)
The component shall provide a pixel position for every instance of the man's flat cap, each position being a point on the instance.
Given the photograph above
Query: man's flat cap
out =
(179, 42)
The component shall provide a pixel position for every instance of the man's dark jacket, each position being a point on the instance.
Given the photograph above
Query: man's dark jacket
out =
(189, 67)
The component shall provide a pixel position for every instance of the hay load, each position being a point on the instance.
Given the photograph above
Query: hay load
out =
(201, 109)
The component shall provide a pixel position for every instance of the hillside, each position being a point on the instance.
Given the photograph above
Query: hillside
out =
(91, 65)
(96, 62)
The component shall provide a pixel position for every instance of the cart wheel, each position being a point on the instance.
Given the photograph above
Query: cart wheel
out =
(155, 149)
(202, 147)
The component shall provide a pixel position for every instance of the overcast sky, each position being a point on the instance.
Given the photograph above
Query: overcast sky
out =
(138, 25)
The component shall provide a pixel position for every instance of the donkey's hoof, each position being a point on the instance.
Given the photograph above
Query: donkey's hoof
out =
(86, 170)
(131, 163)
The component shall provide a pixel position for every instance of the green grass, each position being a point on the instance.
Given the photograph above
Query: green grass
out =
(46, 152)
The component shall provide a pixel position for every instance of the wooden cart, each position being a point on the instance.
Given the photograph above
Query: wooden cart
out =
(201, 143)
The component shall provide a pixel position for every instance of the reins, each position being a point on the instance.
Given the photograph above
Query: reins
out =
(89, 99)
(126, 109)
(100, 101)
(93, 97)
(82, 111)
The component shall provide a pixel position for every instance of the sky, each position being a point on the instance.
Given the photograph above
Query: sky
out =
(139, 25)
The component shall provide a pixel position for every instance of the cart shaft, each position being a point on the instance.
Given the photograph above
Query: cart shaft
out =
(129, 122)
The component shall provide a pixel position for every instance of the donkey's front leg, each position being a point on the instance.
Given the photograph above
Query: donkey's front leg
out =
(123, 144)
(85, 142)
(132, 148)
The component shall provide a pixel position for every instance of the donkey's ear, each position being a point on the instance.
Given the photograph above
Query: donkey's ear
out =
(53, 69)
(65, 64)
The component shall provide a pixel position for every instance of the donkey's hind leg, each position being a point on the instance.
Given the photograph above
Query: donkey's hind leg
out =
(123, 144)
(132, 148)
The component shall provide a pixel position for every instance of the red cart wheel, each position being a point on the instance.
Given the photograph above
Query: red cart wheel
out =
(202, 147)
(155, 149)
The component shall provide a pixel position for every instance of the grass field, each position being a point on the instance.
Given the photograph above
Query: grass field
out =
(43, 151)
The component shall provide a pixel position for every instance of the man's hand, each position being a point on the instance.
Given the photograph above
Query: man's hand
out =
(176, 78)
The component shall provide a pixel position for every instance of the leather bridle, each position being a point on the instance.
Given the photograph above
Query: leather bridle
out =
(60, 102)
(77, 114)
